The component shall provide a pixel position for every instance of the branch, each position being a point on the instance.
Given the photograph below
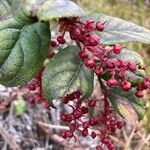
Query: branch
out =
(9, 139)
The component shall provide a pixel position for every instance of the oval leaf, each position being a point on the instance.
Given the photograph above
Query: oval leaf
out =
(117, 30)
(4, 7)
(23, 51)
(45, 10)
(66, 73)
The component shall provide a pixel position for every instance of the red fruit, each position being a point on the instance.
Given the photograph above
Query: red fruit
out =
(75, 34)
(90, 25)
(119, 124)
(112, 83)
(85, 132)
(99, 147)
(99, 71)
(61, 40)
(86, 124)
(121, 64)
(93, 134)
(64, 135)
(63, 117)
(132, 66)
(90, 63)
(69, 134)
(84, 110)
(93, 122)
(54, 43)
(92, 103)
(91, 40)
(139, 94)
(69, 118)
(105, 140)
(77, 114)
(113, 129)
(126, 85)
(117, 48)
(100, 26)
(83, 54)
(31, 87)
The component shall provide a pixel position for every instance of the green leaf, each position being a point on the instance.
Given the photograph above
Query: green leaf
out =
(65, 74)
(117, 30)
(45, 10)
(130, 56)
(23, 51)
(4, 7)
(127, 105)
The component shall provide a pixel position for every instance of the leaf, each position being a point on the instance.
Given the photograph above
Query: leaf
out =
(4, 7)
(65, 74)
(117, 30)
(23, 51)
(130, 56)
(127, 105)
(45, 10)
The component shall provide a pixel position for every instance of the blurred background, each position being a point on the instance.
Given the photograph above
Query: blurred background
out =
(22, 123)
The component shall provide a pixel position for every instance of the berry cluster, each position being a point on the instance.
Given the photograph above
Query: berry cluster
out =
(36, 86)
(99, 126)
(94, 54)
(145, 85)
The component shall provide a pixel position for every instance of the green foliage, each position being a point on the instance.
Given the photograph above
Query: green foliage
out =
(65, 74)
(25, 10)
(23, 51)
(117, 30)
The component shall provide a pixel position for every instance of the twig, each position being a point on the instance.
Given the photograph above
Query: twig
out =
(8, 138)
(42, 124)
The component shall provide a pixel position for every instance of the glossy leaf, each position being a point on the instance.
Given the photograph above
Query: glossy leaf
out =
(45, 10)
(117, 30)
(23, 51)
(66, 73)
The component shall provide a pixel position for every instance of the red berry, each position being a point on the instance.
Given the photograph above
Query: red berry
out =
(77, 114)
(100, 26)
(99, 71)
(105, 140)
(139, 94)
(112, 83)
(83, 54)
(86, 124)
(64, 135)
(93, 134)
(132, 66)
(99, 147)
(54, 43)
(84, 110)
(92, 103)
(61, 40)
(91, 40)
(117, 48)
(85, 132)
(90, 63)
(75, 34)
(69, 134)
(126, 85)
(119, 124)
(31, 87)
(90, 25)
(63, 117)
